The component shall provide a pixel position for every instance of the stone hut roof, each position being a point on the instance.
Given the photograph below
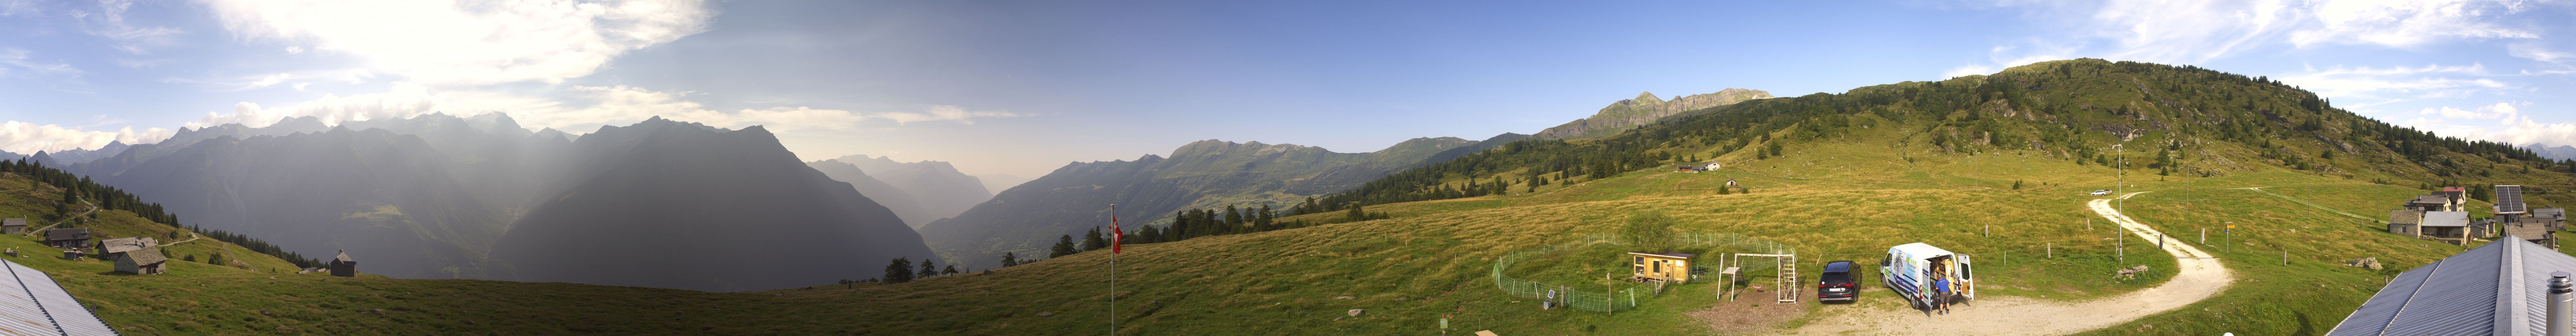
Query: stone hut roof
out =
(2405, 216)
(146, 256)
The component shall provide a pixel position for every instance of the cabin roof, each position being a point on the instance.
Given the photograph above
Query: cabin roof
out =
(2495, 289)
(2446, 218)
(146, 256)
(67, 234)
(13, 222)
(2405, 216)
(125, 244)
(2430, 199)
(2553, 213)
(36, 305)
(1667, 255)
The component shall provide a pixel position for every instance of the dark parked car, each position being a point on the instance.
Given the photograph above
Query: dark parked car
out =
(1838, 284)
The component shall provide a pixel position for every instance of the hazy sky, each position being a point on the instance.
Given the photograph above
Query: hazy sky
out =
(1024, 87)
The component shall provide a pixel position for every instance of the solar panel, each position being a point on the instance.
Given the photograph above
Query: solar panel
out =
(2508, 200)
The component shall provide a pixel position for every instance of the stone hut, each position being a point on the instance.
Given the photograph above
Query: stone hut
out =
(143, 261)
(342, 266)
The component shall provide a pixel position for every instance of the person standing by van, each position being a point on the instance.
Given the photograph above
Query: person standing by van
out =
(1941, 295)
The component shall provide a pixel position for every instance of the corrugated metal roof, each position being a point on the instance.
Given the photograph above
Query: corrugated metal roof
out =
(2499, 288)
(2446, 218)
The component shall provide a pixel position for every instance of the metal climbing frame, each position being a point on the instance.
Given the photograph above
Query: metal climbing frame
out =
(1787, 281)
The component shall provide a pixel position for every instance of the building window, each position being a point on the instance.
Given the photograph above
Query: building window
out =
(1641, 260)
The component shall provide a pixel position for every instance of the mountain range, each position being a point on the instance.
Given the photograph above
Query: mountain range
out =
(2561, 152)
(683, 205)
(1209, 173)
(436, 196)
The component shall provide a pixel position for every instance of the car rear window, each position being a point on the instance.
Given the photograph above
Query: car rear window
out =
(1837, 277)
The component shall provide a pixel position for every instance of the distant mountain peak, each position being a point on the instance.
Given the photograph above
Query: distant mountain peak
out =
(1645, 109)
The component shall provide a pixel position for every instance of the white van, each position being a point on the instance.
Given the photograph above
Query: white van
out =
(1909, 269)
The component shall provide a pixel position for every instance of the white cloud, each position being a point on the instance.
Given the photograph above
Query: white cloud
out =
(626, 104)
(607, 105)
(1965, 70)
(2406, 23)
(2196, 31)
(468, 42)
(28, 138)
(19, 58)
(109, 22)
(2500, 110)
(2371, 86)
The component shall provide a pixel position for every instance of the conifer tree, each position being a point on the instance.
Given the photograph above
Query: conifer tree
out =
(1092, 240)
(1010, 259)
(1063, 247)
(926, 270)
(898, 271)
(951, 270)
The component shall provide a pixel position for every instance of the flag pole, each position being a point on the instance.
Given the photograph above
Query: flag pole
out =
(1120, 234)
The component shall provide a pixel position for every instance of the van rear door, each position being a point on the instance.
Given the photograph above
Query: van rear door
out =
(1967, 278)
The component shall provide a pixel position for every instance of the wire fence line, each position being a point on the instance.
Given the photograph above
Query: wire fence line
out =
(1577, 297)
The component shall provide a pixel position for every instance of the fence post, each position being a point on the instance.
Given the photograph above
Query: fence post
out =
(2052, 251)
(2204, 236)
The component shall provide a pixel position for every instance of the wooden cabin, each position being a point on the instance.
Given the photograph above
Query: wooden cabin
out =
(72, 238)
(342, 266)
(141, 261)
(13, 226)
(1668, 267)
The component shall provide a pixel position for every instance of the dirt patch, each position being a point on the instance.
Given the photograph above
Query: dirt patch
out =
(1750, 315)
(2201, 276)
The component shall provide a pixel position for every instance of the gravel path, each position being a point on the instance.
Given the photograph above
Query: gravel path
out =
(2201, 277)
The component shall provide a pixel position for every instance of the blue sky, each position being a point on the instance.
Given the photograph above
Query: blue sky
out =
(1024, 87)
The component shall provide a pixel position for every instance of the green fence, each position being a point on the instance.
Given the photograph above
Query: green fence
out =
(1575, 296)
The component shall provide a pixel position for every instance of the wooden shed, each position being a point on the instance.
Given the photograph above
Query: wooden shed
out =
(1669, 267)
(13, 226)
(142, 261)
(342, 266)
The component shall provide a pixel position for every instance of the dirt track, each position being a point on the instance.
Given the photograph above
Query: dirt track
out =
(2201, 277)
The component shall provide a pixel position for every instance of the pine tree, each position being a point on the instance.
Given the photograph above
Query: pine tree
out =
(1355, 214)
(951, 270)
(1093, 241)
(899, 271)
(1010, 259)
(1063, 247)
(926, 270)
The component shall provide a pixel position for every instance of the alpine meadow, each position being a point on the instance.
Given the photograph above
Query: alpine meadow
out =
(896, 167)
